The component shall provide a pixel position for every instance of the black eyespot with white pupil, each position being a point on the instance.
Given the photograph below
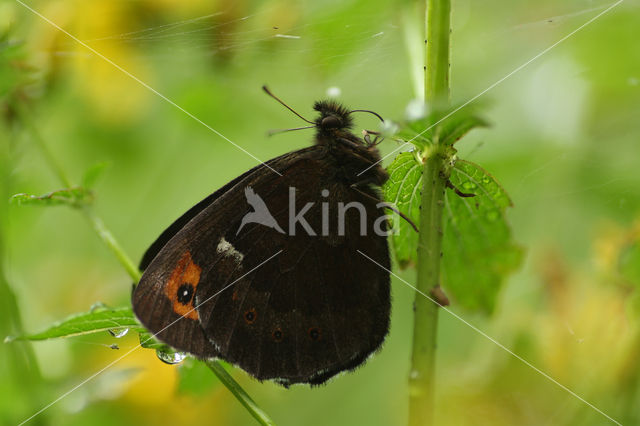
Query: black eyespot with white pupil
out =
(185, 294)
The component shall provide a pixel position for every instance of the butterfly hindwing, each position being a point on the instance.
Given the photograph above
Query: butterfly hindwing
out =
(316, 309)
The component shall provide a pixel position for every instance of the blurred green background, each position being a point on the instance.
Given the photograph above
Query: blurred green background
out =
(564, 142)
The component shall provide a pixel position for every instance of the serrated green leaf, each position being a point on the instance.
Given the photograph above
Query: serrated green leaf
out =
(93, 173)
(101, 319)
(74, 197)
(455, 127)
(434, 128)
(417, 132)
(403, 190)
(478, 252)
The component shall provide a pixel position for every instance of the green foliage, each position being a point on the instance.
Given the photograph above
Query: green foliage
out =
(149, 342)
(402, 189)
(94, 321)
(440, 128)
(478, 252)
(74, 197)
(195, 377)
(478, 249)
(15, 73)
(116, 320)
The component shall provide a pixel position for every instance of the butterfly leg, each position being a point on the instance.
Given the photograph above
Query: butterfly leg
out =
(457, 191)
(386, 206)
(366, 134)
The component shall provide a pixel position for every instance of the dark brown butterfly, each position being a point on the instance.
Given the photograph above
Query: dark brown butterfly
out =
(316, 307)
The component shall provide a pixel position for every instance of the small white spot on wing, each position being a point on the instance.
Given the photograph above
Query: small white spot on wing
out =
(226, 248)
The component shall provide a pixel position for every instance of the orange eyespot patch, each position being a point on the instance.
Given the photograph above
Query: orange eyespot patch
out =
(182, 285)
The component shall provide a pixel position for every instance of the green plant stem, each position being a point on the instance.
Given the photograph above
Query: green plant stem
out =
(422, 374)
(239, 393)
(437, 52)
(110, 241)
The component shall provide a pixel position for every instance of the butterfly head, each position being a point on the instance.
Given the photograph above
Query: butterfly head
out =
(358, 158)
(333, 117)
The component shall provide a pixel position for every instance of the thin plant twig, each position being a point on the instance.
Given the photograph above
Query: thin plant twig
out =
(239, 393)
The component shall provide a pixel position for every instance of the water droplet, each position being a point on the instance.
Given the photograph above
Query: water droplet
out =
(469, 185)
(486, 180)
(171, 357)
(98, 306)
(118, 333)
(493, 215)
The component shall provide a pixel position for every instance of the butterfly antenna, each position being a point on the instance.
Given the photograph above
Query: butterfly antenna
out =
(370, 112)
(268, 92)
(275, 132)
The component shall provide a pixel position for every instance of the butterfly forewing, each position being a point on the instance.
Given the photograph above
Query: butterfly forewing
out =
(155, 299)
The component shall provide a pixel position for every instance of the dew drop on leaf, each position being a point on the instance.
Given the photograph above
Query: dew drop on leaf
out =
(98, 306)
(469, 185)
(118, 333)
(171, 357)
